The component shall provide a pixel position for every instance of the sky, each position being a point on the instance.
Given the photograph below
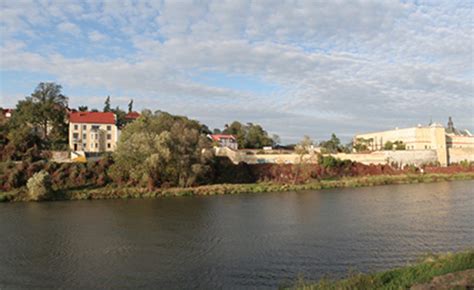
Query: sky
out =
(295, 67)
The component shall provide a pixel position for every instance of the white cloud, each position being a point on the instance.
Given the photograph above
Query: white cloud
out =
(96, 36)
(337, 65)
(68, 27)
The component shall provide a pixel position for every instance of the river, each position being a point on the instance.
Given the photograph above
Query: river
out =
(234, 241)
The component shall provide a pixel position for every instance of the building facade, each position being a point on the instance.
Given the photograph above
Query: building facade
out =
(432, 137)
(224, 140)
(93, 132)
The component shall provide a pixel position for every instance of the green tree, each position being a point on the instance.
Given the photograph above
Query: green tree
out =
(130, 106)
(45, 113)
(107, 106)
(238, 130)
(82, 108)
(251, 136)
(362, 144)
(160, 148)
(332, 145)
(388, 145)
(399, 145)
(120, 115)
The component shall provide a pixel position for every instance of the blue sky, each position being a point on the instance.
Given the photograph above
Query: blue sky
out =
(296, 67)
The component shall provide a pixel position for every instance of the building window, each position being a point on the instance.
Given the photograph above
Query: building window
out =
(75, 135)
(108, 145)
(84, 145)
(96, 145)
(109, 136)
(109, 128)
(76, 127)
(84, 127)
(95, 127)
(84, 136)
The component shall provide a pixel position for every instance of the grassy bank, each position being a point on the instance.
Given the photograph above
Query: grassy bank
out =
(114, 192)
(403, 278)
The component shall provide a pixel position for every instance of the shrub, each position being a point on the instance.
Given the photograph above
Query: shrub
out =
(39, 186)
(465, 164)
(15, 179)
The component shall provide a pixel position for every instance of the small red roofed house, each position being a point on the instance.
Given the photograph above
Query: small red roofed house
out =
(132, 116)
(224, 140)
(93, 131)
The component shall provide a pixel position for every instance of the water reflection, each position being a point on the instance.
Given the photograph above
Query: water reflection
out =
(240, 241)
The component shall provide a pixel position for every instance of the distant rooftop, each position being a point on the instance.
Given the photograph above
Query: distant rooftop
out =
(132, 116)
(218, 137)
(92, 117)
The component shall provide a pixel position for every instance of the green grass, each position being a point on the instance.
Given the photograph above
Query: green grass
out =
(401, 278)
(115, 192)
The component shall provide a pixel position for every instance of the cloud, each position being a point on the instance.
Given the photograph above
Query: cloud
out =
(337, 66)
(68, 27)
(96, 36)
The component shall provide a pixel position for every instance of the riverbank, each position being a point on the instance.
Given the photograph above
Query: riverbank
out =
(114, 192)
(445, 271)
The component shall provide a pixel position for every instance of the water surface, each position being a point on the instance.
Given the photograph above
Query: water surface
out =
(234, 241)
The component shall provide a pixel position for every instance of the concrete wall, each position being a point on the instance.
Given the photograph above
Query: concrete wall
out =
(457, 155)
(459, 141)
(415, 157)
(242, 156)
(403, 157)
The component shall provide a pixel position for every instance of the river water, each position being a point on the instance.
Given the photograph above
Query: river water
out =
(234, 241)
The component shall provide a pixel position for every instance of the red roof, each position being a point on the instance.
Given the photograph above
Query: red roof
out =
(6, 112)
(132, 115)
(218, 137)
(92, 117)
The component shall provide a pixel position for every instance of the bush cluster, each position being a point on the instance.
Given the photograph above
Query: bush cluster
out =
(39, 186)
(15, 175)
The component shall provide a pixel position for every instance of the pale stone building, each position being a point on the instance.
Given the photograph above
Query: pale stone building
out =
(432, 137)
(93, 132)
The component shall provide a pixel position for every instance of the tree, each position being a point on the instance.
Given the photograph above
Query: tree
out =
(160, 148)
(205, 130)
(303, 149)
(362, 144)
(332, 145)
(107, 107)
(399, 145)
(120, 114)
(39, 186)
(130, 106)
(276, 139)
(304, 146)
(238, 130)
(82, 108)
(251, 136)
(45, 112)
(388, 145)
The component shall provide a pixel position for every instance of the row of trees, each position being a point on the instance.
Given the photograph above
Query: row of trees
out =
(251, 136)
(39, 122)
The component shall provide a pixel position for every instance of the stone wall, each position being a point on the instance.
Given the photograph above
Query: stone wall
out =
(457, 155)
(402, 157)
(415, 157)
